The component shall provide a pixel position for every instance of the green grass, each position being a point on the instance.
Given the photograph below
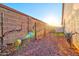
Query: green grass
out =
(59, 34)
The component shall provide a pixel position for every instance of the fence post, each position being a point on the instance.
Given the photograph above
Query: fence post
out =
(2, 15)
(28, 24)
(35, 32)
(44, 32)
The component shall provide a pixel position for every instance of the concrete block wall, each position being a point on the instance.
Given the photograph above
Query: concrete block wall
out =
(11, 22)
(16, 25)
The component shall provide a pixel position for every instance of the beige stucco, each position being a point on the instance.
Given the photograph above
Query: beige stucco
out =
(71, 21)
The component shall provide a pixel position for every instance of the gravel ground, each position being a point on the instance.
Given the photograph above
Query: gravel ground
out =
(49, 46)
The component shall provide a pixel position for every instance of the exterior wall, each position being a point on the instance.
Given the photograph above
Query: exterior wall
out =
(17, 25)
(40, 29)
(59, 29)
(71, 21)
(13, 21)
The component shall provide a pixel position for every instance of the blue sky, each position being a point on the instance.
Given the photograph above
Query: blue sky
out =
(50, 13)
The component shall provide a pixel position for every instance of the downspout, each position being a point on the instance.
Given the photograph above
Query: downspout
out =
(63, 21)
